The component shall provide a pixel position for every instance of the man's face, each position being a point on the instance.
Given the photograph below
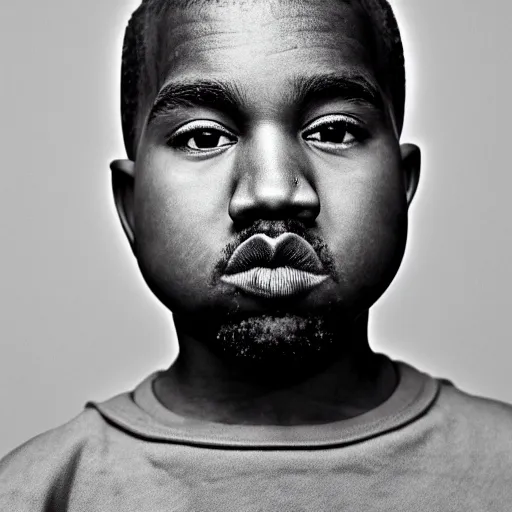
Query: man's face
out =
(268, 179)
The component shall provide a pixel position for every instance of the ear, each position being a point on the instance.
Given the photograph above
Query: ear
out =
(122, 187)
(411, 163)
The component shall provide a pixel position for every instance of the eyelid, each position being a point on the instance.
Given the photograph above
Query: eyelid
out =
(330, 119)
(199, 124)
(177, 140)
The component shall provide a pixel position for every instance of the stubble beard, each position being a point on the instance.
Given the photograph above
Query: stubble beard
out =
(283, 337)
(283, 342)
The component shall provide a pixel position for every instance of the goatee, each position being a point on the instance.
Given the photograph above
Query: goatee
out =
(284, 341)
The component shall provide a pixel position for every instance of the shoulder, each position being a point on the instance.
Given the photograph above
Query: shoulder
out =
(30, 473)
(58, 441)
(480, 409)
(476, 422)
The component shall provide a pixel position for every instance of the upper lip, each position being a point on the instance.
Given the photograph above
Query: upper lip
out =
(287, 250)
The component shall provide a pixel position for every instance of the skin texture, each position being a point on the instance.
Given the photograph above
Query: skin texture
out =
(272, 170)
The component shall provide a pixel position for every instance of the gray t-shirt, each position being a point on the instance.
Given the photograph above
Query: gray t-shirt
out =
(429, 447)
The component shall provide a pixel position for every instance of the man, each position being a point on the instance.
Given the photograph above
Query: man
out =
(265, 198)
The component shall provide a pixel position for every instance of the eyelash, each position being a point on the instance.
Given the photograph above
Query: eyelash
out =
(178, 139)
(348, 124)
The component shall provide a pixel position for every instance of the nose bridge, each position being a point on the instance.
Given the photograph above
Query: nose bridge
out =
(272, 179)
(271, 168)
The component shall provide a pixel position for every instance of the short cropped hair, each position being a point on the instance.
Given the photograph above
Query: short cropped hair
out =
(144, 24)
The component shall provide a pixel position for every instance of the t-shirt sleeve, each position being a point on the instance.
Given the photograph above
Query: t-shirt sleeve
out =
(37, 476)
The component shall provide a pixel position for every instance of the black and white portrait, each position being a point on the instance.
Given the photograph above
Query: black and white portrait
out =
(255, 256)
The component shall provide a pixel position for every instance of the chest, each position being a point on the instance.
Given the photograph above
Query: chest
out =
(199, 480)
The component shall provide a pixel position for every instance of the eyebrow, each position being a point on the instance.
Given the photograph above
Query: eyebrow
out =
(226, 96)
(350, 87)
(195, 93)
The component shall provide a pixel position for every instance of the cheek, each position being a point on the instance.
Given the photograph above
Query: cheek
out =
(180, 227)
(364, 219)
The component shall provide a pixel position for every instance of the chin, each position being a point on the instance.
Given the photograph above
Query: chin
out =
(280, 341)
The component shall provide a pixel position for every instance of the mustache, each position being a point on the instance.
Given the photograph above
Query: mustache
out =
(274, 229)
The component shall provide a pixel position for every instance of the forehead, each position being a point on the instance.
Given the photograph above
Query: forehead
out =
(259, 44)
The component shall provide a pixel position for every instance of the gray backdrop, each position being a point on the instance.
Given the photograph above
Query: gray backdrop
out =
(77, 322)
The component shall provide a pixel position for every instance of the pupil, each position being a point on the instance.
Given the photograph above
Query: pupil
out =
(207, 139)
(333, 134)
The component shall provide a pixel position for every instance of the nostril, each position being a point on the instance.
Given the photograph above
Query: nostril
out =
(289, 196)
(275, 209)
(308, 213)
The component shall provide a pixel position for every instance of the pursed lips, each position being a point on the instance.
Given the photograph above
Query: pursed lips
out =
(274, 267)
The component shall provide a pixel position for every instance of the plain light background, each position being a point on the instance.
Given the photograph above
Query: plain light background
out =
(77, 322)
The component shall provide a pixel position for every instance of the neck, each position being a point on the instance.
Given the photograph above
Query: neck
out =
(203, 385)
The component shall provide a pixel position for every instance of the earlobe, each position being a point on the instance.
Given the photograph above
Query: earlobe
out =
(122, 188)
(411, 164)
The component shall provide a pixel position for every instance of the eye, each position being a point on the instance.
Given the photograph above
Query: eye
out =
(334, 132)
(201, 137)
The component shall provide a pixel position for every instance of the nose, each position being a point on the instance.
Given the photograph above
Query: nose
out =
(272, 179)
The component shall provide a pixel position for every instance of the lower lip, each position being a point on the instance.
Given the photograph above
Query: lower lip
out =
(274, 282)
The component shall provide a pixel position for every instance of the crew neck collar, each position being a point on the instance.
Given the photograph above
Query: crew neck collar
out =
(141, 414)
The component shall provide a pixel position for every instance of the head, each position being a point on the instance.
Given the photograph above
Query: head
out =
(265, 194)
